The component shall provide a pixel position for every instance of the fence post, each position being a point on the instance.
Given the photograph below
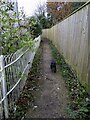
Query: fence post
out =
(1, 108)
(4, 89)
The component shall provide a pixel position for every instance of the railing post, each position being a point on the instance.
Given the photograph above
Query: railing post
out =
(1, 107)
(4, 88)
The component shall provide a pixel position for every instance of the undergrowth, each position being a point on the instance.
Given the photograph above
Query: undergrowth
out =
(79, 106)
(27, 96)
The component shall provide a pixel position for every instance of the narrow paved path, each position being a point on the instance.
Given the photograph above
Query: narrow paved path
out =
(51, 95)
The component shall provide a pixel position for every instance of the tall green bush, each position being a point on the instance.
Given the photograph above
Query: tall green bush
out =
(13, 35)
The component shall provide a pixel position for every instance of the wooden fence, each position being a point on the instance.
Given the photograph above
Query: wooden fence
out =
(14, 69)
(72, 39)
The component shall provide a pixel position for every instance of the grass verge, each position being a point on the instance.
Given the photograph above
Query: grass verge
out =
(79, 106)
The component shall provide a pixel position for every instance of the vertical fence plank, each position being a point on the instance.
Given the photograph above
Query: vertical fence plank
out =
(3, 83)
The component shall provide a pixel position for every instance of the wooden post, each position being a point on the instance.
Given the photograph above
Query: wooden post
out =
(3, 84)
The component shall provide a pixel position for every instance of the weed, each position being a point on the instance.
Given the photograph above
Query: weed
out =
(79, 106)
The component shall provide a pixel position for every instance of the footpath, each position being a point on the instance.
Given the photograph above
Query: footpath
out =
(51, 97)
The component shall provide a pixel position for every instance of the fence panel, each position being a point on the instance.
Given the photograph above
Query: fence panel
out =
(15, 68)
(71, 38)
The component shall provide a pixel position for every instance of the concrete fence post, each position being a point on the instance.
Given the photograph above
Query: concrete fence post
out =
(1, 107)
(3, 87)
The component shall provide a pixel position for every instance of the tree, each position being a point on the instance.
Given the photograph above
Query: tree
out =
(14, 32)
(58, 10)
(76, 5)
(34, 27)
(44, 18)
(9, 31)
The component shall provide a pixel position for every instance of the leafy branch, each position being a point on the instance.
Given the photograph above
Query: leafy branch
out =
(13, 35)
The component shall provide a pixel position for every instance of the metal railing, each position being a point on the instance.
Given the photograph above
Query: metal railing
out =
(14, 69)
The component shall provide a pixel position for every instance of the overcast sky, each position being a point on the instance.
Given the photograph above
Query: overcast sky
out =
(29, 5)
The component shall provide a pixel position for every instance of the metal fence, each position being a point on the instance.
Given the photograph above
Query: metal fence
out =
(14, 69)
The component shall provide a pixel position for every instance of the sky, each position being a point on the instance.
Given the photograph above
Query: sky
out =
(29, 5)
